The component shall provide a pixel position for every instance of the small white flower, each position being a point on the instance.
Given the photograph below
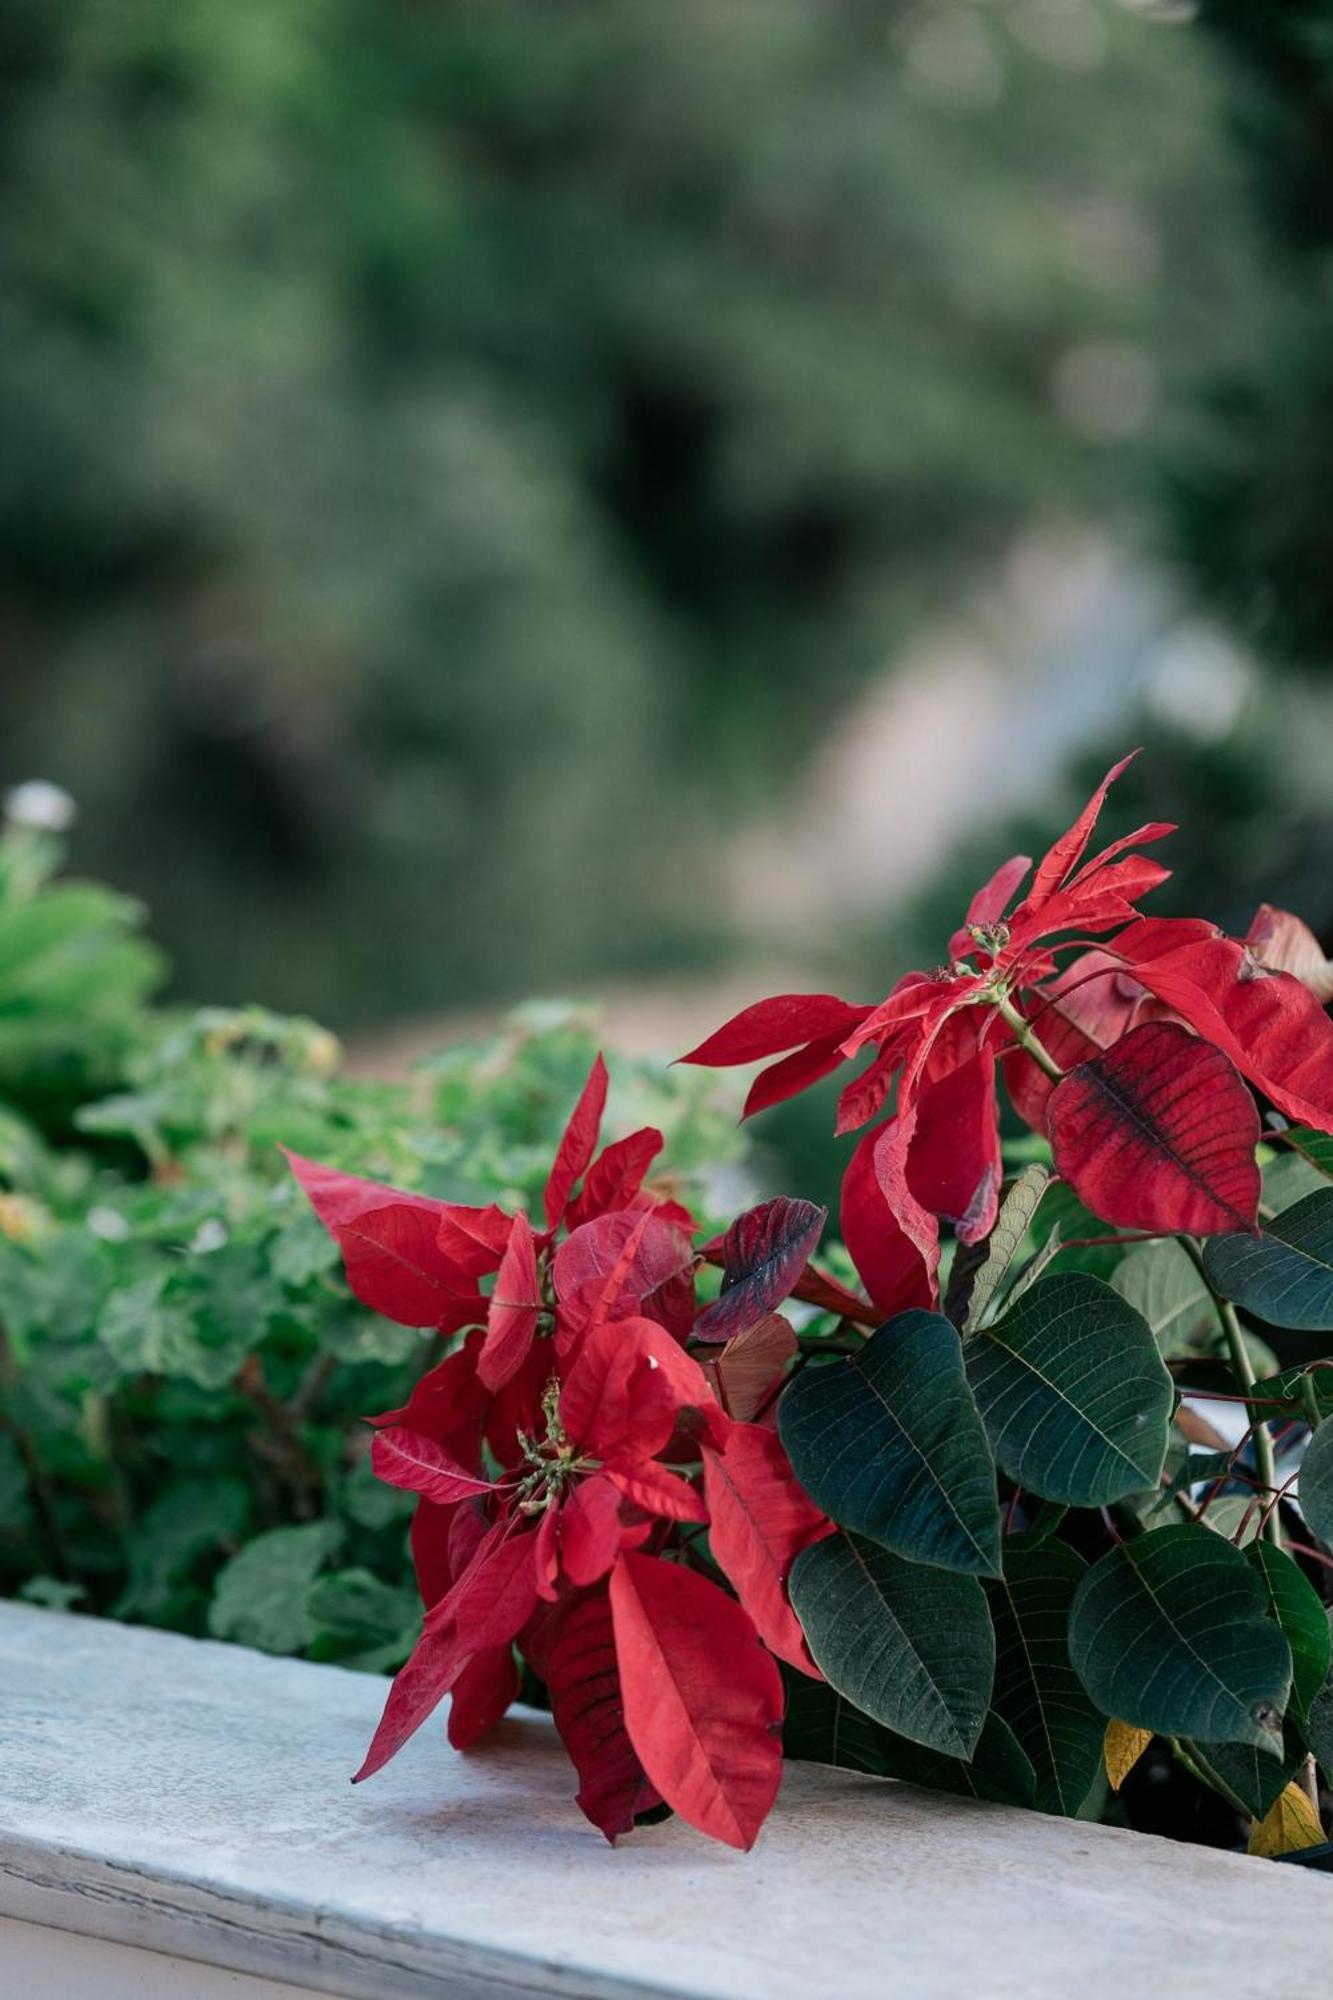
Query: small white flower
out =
(40, 806)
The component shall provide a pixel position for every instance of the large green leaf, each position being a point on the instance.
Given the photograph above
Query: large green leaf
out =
(1284, 1275)
(1298, 1609)
(890, 1444)
(1171, 1632)
(260, 1598)
(1074, 1392)
(1315, 1490)
(1257, 1779)
(912, 1646)
(1037, 1691)
(822, 1727)
(1166, 1287)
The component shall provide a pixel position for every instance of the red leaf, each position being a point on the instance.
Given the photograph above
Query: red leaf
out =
(891, 1266)
(595, 1277)
(578, 1143)
(487, 1607)
(1092, 1003)
(583, 1681)
(418, 1465)
(750, 1367)
(990, 903)
(761, 1520)
(447, 1403)
(511, 1323)
(616, 1175)
(659, 1491)
(1060, 860)
(763, 1253)
(953, 1163)
(474, 1239)
(338, 1199)
(1159, 1133)
(590, 1530)
(793, 1073)
(702, 1699)
(1282, 942)
(429, 1538)
(395, 1266)
(773, 1025)
(482, 1695)
(629, 1382)
(1270, 1025)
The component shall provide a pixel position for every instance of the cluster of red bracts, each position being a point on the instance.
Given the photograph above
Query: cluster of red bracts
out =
(1146, 1032)
(613, 1446)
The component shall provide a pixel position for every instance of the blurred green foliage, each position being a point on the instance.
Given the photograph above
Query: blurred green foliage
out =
(456, 456)
(182, 1368)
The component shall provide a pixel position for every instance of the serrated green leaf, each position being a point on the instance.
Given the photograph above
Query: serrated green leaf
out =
(1170, 1632)
(1284, 1275)
(1037, 1691)
(1073, 1392)
(911, 1646)
(889, 1443)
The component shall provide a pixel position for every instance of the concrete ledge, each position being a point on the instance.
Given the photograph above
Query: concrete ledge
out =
(192, 1799)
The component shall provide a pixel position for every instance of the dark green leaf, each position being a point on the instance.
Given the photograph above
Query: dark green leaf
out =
(889, 1443)
(1037, 1691)
(822, 1727)
(1315, 1488)
(1257, 1779)
(1073, 1392)
(1295, 1604)
(260, 1597)
(1284, 1275)
(1171, 1632)
(1163, 1284)
(910, 1645)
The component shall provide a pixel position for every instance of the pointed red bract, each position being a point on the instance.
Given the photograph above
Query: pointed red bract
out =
(583, 1680)
(578, 1144)
(889, 1264)
(658, 1491)
(395, 1266)
(473, 1239)
(339, 1198)
(417, 1464)
(629, 1260)
(702, 1699)
(770, 1026)
(763, 1253)
(953, 1165)
(1159, 1134)
(511, 1323)
(761, 1520)
(482, 1695)
(616, 1175)
(590, 1530)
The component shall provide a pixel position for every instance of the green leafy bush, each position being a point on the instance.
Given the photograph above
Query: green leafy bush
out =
(182, 1367)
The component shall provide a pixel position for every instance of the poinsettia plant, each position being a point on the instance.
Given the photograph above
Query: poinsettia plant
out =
(994, 1522)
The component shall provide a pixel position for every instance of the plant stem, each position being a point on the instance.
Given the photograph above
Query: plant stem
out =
(1027, 1041)
(1239, 1355)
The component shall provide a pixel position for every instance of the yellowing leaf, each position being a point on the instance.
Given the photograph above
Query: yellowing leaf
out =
(1123, 1747)
(1290, 1823)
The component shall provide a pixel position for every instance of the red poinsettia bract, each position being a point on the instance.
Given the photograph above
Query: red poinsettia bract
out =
(1128, 1040)
(567, 1456)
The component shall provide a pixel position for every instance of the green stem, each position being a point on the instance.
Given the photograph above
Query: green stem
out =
(1027, 1041)
(1239, 1355)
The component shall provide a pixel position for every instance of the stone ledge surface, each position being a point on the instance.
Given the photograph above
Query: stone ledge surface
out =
(192, 1798)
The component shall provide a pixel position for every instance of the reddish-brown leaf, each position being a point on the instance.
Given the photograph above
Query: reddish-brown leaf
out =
(583, 1680)
(763, 1253)
(1159, 1133)
(761, 1520)
(749, 1368)
(578, 1143)
(395, 1266)
(702, 1698)
(511, 1323)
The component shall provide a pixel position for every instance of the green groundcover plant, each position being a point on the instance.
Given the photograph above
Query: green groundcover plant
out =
(969, 1522)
